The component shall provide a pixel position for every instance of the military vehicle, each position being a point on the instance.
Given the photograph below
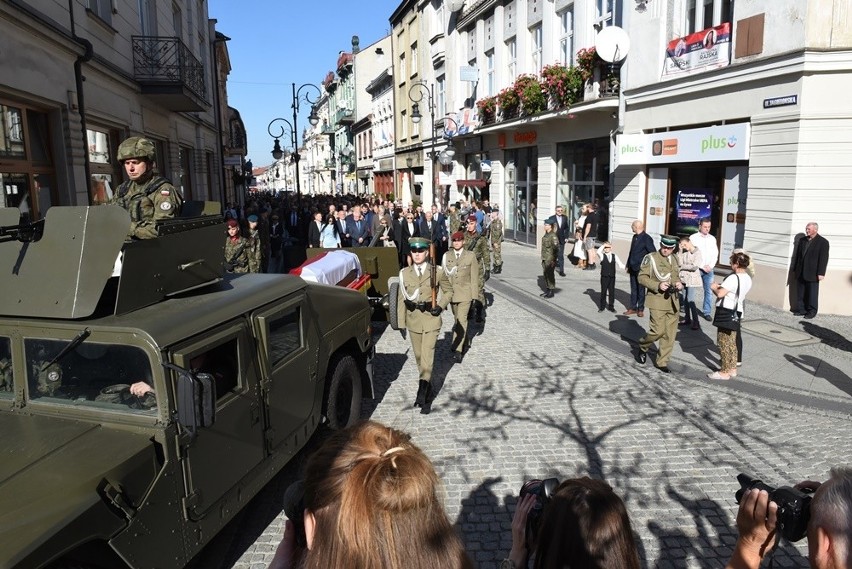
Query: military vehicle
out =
(146, 396)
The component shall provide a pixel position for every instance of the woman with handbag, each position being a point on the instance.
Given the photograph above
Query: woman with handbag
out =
(729, 308)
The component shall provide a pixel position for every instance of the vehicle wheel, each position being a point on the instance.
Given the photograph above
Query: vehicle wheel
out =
(393, 301)
(343, 393)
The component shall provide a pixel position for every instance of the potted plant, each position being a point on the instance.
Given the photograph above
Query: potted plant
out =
(487, 108)
(587, 60)
(533, 99)
(563, 84)
(508, 101)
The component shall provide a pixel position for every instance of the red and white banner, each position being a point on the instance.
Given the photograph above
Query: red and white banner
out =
(701, 51)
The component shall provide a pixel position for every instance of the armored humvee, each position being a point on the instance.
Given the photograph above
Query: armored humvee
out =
(145, 396)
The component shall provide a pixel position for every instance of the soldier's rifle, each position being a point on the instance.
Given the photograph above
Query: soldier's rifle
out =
(433, 274)
(25, 232)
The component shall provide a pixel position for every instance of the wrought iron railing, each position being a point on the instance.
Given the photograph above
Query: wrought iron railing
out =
(167, 60)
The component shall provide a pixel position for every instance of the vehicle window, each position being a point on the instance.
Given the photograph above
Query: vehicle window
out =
(285, 335)
(221, 363)
(92, 374)
(6, 385)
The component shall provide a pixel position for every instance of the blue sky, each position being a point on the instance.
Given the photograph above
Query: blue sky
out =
(275, 43)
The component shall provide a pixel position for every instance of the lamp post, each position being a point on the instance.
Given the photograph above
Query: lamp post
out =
(419, 91)
(313, 118)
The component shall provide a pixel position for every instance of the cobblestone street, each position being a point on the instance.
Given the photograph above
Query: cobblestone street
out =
(542, 393)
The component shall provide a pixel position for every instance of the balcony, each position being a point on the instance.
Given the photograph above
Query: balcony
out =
(169, 74)
(344, 116)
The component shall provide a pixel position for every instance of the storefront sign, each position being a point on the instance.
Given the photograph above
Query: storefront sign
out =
(707, 49)
(385, 164)
(709, 144)
(473, 144)
(526, 137)
(780, 101)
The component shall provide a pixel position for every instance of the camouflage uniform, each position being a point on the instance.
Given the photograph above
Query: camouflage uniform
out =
(455, 221)
(478, 244)
(255, 251)
(151, 198)
(495, 233)
(549, 251)
(236, 255)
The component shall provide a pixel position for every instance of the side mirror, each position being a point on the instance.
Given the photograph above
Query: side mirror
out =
(196, 400)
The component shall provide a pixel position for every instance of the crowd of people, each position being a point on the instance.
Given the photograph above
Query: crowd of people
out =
(371, 498)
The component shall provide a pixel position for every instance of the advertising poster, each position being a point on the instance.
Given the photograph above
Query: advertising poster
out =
(655, 220)
(692, 205)
(733, 211)
(700, 51)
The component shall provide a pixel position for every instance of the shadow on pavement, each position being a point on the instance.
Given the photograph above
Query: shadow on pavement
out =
(820, 368)
(828, 337)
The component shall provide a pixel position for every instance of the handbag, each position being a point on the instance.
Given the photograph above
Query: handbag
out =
(728, 318)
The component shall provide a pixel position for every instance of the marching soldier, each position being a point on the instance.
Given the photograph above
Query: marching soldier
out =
(236, 249)
(495, 233)
(420, 314)
(478, 245)
(659, 274)
(549, 251)
(454, 218)
(255, 245)
(146, 197)
(462, 269)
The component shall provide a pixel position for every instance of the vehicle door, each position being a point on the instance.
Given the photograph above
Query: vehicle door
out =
(226, 451)
(289, 351)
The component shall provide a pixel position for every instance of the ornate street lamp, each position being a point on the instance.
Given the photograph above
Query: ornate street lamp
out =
(419, 91)
(293, 128)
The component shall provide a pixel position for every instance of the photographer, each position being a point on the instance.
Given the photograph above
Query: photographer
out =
(829, 530)
(371, 500)
(582, 523)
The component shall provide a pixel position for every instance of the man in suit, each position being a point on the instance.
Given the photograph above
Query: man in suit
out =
(810, 261)
(314, 230)
(416, 314)
(432, 230)
(659, 274)
(408, 228)
(462, 269)
(641, 245)
(563, 232)
(357, 229)
(341, 229)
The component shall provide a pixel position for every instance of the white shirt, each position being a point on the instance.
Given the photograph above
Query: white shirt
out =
(730, 285)
(707, 245)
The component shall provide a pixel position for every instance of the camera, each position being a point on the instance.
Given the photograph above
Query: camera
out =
(543, 491)
(794, 506)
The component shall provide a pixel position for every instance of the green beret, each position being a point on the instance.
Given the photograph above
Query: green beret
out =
(550, 220)
(418, 243)
(668, 240)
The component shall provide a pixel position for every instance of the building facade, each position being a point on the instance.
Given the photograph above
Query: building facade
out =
(60, 132)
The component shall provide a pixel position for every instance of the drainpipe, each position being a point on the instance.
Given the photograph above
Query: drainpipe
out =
(220, 123)
(88, 51)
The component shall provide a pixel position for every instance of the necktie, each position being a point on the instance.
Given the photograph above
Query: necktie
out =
(458, 254)
(358, 226)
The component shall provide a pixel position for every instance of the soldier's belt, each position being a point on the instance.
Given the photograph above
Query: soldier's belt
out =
(421, 306)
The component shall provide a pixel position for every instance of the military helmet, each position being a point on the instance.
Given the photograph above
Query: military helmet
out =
(137, 147)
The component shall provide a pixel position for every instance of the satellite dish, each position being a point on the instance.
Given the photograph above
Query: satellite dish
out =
(612, 44)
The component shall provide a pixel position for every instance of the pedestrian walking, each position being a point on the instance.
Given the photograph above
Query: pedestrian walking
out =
(609, 260)
(810, 261)
(730, 294)
(417, 314)
(563, 234)
(640, 246)
(590, 231)
(495, 234)
(475, 242)
(462, 269)
(660, 275)
(689, 259)
(254, 245)
(549, 250)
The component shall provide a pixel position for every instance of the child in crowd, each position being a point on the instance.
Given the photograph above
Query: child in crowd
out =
(608, 260)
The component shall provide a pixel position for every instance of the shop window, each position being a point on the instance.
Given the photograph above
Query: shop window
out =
(695, 194)
(583, 177)
(185, 173)
(12, 141)
(7, 386)
(103, 165)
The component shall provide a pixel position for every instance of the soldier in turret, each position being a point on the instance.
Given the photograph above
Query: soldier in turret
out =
(146, 197)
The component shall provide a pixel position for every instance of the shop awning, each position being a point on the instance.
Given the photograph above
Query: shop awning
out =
(471, 183)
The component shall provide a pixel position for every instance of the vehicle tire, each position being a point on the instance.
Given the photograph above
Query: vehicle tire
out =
(343, 392)
(393, 300)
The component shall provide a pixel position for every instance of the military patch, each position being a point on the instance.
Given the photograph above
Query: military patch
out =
(646, 259)
(164, 192)
(166, 206)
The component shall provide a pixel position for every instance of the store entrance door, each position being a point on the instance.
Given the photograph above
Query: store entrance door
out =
(522, 190)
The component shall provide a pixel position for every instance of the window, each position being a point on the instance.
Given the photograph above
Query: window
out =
(607, 13)
(221, 362)
(414, 59)
(703, 14)
(185, 173)
(7, 386)
(441, 95)
(403, 125)
(103, 166)
(438, 22)
(177, 20)
(148, 17)
(566, 36)
(512, 58)
(402, 69)
(489, 74)
(90, 375)
(536, 53)
(285, 336)
(102, 9)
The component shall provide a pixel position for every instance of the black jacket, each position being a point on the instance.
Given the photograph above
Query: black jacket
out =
(641, 245)
(811, 261)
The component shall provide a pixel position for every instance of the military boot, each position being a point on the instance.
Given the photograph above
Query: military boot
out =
(422, 391)
(427, 399)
